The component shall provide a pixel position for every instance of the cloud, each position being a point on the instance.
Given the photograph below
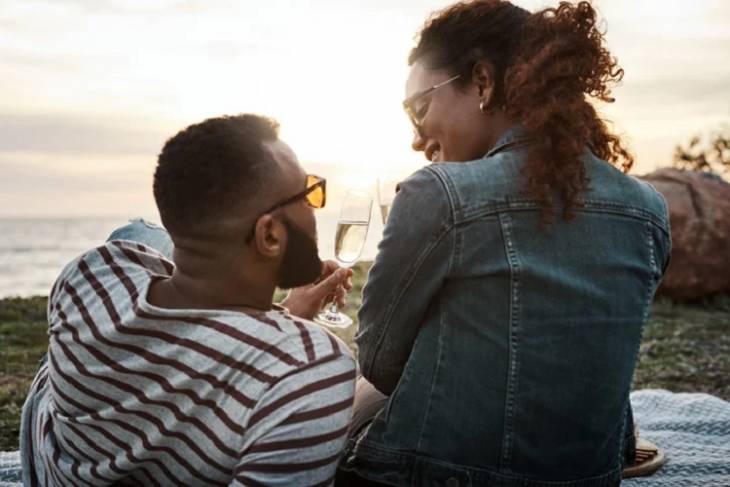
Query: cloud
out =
(125, 7)
(53, 184)
(679, 92)
(26, 59)
(68, 134)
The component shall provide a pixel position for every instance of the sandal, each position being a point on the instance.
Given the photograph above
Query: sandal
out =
(649, 458)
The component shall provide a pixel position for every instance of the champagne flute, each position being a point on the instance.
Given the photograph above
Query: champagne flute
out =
(386, 194)
(352, 230)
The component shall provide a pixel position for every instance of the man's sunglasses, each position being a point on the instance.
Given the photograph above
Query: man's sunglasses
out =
(314, 194)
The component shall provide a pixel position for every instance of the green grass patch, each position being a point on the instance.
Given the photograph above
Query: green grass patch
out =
(686, 348)
(23, 341)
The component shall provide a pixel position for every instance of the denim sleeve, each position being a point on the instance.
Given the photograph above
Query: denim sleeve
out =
(146, 233)
(666, 243)
(663, 239)
(414, 258)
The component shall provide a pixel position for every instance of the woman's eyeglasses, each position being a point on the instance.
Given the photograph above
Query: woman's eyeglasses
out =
(416, 116)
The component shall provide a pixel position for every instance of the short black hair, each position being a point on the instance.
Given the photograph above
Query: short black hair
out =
(210, 171)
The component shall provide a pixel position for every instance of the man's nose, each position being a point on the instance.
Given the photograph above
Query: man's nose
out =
(419, 141)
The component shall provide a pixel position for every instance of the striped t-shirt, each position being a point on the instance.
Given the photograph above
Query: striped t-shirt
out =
(139, 395)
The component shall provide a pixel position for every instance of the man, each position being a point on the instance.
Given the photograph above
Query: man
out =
(182, 372)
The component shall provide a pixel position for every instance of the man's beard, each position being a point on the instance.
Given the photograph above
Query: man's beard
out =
(301, 264)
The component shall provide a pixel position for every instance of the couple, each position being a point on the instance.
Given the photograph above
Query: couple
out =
(500, 321)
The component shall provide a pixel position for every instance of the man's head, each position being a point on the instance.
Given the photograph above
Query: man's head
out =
(215, 185)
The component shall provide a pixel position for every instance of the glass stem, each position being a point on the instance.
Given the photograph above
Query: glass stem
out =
(334, 309)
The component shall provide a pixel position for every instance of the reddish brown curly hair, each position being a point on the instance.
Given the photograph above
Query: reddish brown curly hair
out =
(547, 66)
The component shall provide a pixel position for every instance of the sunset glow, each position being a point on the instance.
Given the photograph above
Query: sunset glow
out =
(91, 89)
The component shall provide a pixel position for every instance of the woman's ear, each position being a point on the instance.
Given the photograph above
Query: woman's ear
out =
(484, 81)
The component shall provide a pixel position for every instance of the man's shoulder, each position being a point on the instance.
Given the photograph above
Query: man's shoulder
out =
(282, 348)
(304, 338)
(133, 254)
(273, 342)
(116, 263)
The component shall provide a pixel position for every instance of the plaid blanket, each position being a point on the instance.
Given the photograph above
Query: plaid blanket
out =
(9, 468)
(694, 429)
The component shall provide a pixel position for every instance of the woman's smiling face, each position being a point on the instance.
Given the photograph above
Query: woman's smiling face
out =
(452, 127)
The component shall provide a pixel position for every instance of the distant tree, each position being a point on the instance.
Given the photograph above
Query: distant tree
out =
(712, 156)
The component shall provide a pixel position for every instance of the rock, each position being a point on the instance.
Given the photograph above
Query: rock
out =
(699, 214)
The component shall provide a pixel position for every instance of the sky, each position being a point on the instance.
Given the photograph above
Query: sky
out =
(91, 89)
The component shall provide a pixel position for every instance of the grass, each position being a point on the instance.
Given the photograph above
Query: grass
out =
(686, 348)
(23, 341)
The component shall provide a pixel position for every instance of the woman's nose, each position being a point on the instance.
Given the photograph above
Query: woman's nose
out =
(419, 141)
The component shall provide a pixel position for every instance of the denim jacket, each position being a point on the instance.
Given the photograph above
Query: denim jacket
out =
(507, 349)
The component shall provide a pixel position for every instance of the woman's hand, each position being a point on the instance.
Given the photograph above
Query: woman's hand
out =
(307, 301)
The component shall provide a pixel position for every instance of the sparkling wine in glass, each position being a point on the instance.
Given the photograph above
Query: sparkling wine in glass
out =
(386, 194)
(352, 230)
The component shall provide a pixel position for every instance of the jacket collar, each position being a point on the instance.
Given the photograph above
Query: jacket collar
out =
(514, 136)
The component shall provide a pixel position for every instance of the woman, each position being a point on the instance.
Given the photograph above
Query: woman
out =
(504, 310)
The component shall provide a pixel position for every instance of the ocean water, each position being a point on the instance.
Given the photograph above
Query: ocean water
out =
(34, 251)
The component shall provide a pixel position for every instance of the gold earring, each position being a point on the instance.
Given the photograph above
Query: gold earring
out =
(482, 107)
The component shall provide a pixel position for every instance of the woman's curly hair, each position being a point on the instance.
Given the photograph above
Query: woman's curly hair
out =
(547, 65)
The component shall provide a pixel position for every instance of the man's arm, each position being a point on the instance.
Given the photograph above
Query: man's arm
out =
(307, 301)
(413, 260)
(298, 430)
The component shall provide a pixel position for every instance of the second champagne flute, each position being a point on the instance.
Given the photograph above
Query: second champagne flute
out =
(386, 194)
(352, 230)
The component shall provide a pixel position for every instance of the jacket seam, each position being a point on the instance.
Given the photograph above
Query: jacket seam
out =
(449, 189)
(505, 206)
(439, 355)
(417, 263)
(513, 358)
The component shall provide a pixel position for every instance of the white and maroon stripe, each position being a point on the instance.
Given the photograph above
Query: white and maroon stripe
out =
(293, 467)
(179, 416)
(176, 340)
(154, 358)
(90, 462)
(110, 458)
(319, 413)
(310, 388)
(69, 420)
(300, 442)
(129, 453)
(306, 340)
(217, 325)
(156, 378)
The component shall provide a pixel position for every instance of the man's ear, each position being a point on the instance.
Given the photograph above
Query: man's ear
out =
(483, 79)
(269, 237)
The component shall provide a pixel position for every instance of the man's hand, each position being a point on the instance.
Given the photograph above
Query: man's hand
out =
(307, 301)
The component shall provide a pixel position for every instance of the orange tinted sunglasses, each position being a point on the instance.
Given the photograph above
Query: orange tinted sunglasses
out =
(314, 194)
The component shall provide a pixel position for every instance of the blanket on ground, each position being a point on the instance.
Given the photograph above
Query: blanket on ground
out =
(694, 429)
